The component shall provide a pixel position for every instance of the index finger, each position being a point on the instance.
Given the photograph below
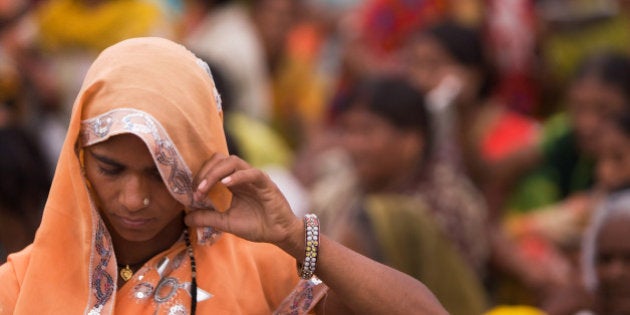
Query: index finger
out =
(214, 170)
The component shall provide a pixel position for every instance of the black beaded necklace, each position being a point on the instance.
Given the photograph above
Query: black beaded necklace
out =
(126, 272)
(193, 272)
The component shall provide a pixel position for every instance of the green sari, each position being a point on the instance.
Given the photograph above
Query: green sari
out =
(409, 240)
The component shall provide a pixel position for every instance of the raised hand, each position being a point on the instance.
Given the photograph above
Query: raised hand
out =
(259, 212)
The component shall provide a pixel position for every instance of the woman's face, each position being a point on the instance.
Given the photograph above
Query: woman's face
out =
(613, 266)
(429, 63)
(381, 152)
(122, 174)
(274, 19)
(613, 162)
(590, 101)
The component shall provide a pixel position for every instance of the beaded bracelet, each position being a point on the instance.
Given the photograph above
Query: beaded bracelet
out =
(311, 236)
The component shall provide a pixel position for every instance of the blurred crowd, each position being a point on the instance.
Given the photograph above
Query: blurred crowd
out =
(481, 146)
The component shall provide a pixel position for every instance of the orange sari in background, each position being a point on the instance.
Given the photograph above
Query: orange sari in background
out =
(158, 91)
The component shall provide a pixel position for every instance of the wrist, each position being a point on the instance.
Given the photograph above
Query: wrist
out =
(302, 242)
(293, 243)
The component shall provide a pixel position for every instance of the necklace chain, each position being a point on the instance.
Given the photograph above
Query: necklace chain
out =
(126, 272)
(193, 271)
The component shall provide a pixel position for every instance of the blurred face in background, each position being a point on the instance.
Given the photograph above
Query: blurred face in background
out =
(428, 63)
(613, 162)
(274, 20)
(613, 266)
(382, 153)
(590, 101)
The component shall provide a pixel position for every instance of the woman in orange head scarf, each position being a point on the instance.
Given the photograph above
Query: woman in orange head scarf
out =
(144, 163)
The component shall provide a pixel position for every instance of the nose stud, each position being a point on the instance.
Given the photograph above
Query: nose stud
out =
(146, 201)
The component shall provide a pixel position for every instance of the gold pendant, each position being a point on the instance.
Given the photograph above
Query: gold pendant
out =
(126, 273)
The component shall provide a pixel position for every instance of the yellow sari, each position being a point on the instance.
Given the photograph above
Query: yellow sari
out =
(72, 23)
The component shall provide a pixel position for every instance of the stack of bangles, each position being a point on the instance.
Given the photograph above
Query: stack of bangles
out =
(306, 270)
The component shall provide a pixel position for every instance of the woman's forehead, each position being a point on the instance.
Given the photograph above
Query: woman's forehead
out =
(127, 149)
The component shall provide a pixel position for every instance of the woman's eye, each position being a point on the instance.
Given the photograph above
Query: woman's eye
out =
(109, 171)
(604, 259)
(155, 174)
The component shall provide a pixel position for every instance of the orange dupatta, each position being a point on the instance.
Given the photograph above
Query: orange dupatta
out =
(158, 91)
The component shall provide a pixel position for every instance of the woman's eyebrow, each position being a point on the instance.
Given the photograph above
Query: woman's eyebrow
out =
(106, 160)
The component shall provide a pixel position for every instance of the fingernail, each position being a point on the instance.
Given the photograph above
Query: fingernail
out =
(227, 180)
(202, 185)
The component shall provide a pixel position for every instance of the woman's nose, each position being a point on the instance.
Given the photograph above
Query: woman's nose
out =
(133, 193)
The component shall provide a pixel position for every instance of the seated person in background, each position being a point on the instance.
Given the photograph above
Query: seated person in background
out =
(606, 273)
(604, 287)
(566, 156)
(562, 166)
(556, 231)
(143, 188)
(579, 156)
(24, 185)
(383, 127)
(473, 129)
(477, 144)
(606, 251)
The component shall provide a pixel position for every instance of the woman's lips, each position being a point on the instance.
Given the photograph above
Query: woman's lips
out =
(134, 223)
